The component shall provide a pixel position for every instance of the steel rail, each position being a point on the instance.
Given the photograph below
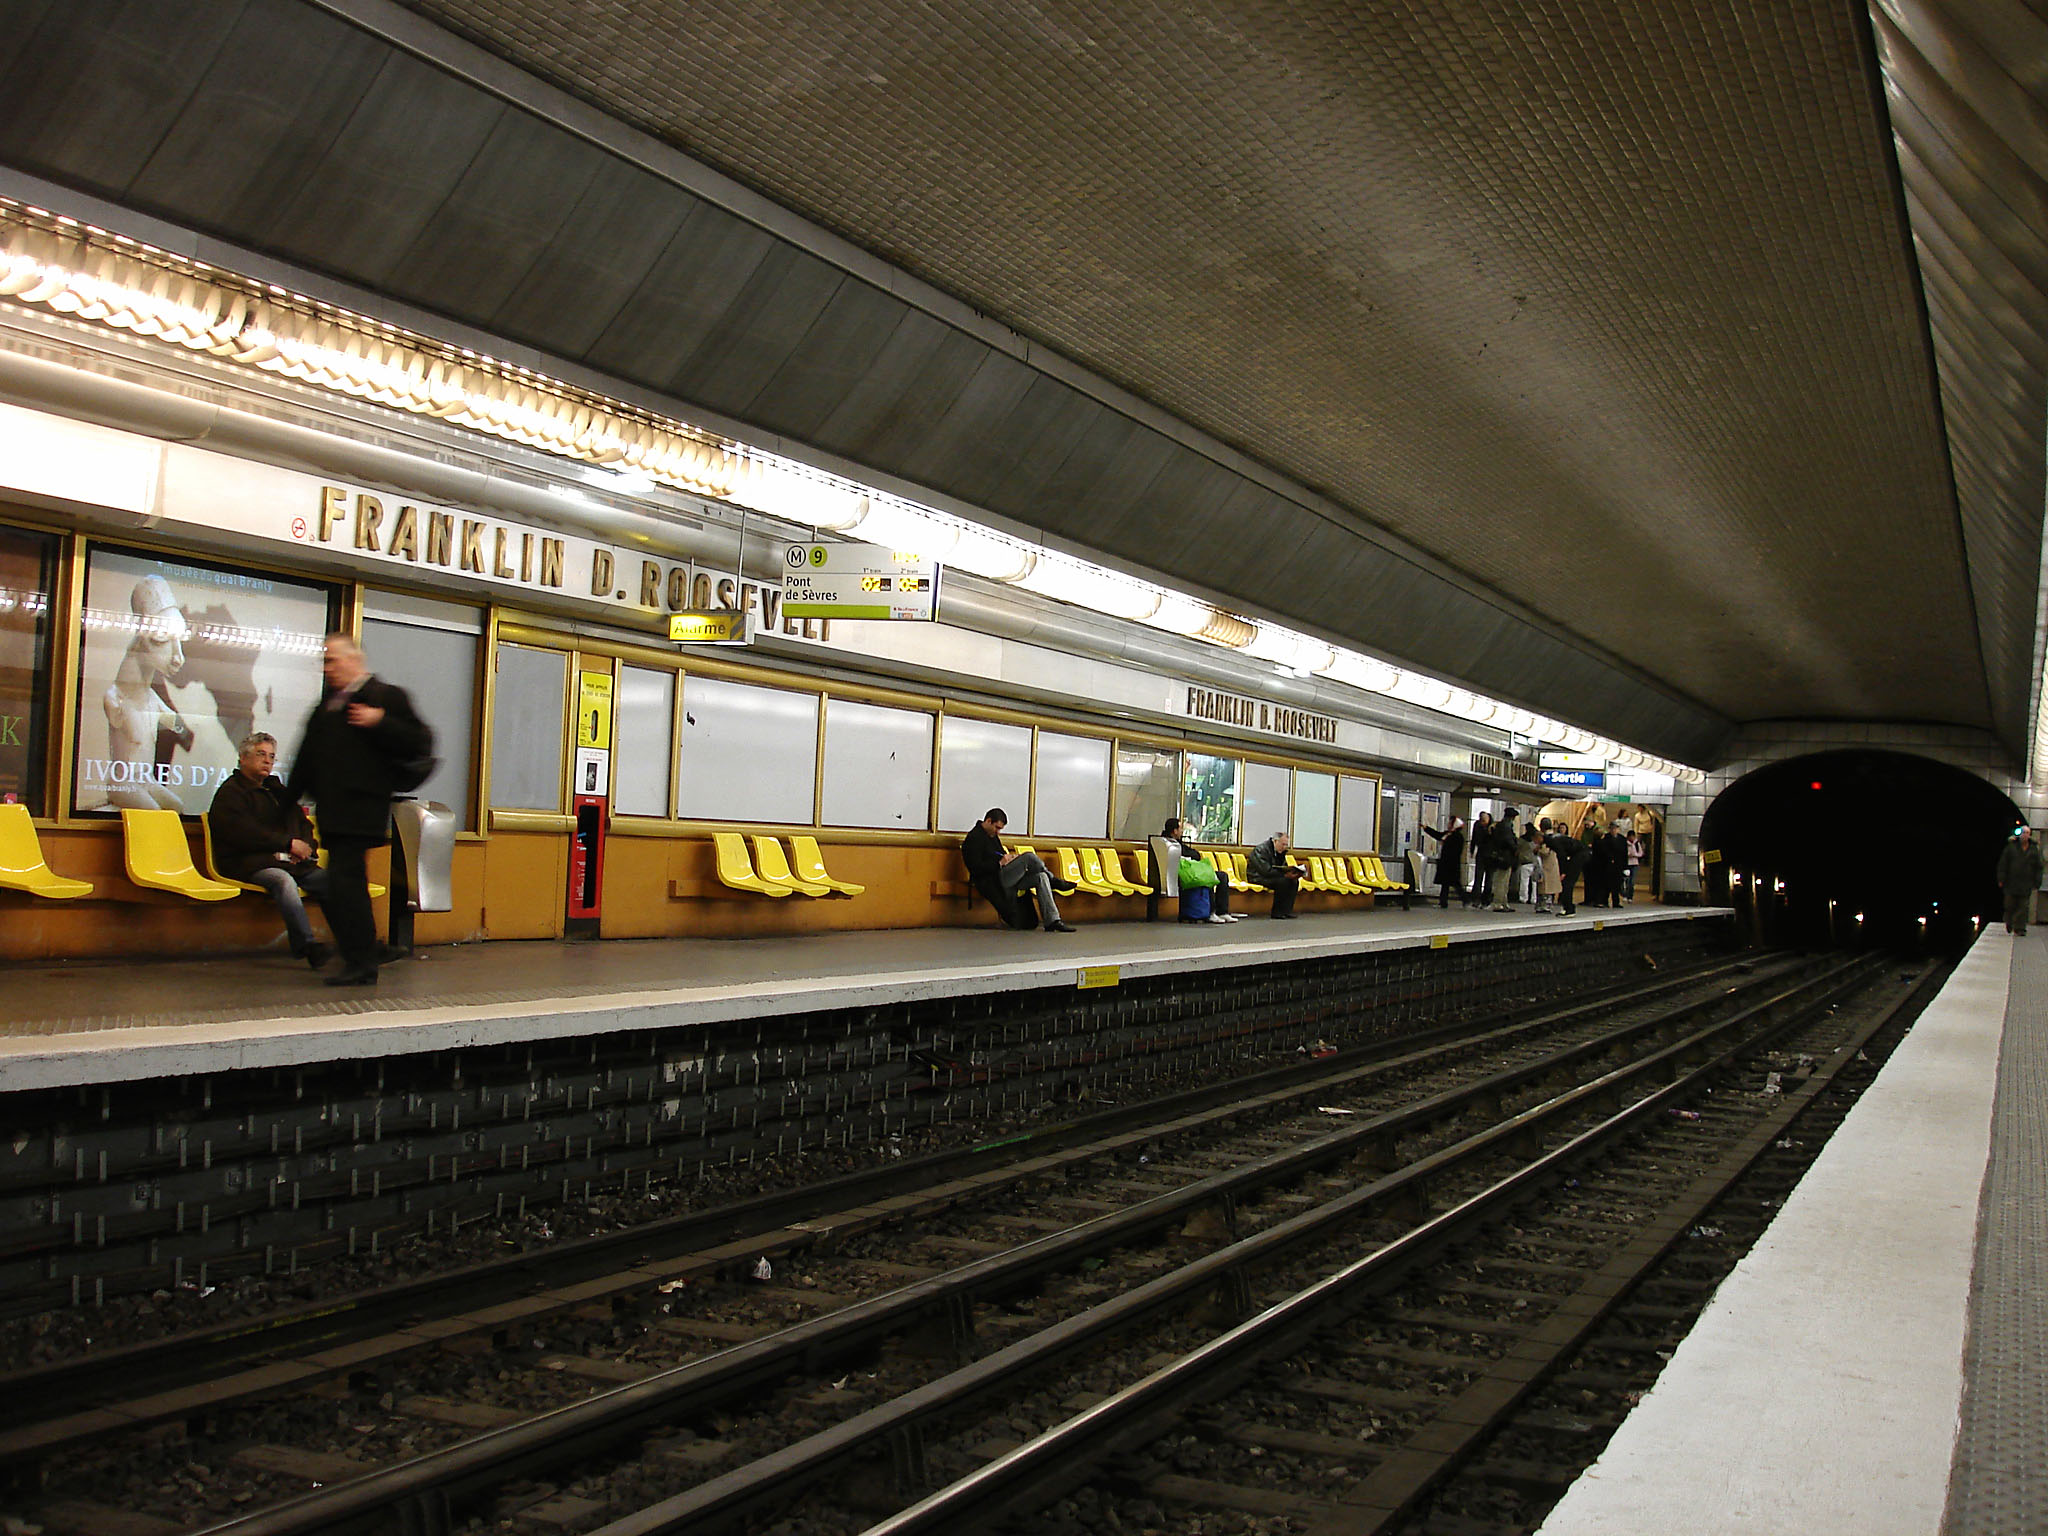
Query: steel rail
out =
(1068, 1453)
(421, 1494)
(747, 1492)
(46, 1408)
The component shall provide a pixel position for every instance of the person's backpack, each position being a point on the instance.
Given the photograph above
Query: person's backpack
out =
(409, 773)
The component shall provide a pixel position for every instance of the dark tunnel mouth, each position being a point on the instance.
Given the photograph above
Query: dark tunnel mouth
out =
(1909, 842)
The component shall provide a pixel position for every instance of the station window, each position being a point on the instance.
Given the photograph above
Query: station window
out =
(430, 650)
(1071, 798)
(529, 720)
(28, 569)
(1265, 805)
(1315, 810)
(180, 661)
(1209, 799)
(983, 765)
(643, 734)
(1147, 791)
(878, 766)
(1358, 808)
(747, 753)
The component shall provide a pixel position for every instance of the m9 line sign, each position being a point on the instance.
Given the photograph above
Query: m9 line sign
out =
(846, 580)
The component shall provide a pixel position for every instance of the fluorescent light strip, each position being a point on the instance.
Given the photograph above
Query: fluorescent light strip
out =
(88, 274)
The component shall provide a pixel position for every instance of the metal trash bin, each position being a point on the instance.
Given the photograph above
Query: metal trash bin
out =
(422, 864)
(426, 836)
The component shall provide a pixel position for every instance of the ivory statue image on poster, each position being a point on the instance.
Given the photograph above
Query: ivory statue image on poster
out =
(180, 663)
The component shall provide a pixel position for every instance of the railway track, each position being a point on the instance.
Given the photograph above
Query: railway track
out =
(860, 1292)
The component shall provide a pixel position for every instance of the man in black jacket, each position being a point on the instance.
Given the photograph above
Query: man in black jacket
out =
(997, 873)
(354, 736)
(260, 835)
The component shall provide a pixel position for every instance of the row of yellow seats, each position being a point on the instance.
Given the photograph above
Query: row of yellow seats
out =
(1347, 874)
(1099, 871)
(769, 873)
(154, 847)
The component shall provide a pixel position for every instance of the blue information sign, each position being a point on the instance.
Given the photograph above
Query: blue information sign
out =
(1572, 778)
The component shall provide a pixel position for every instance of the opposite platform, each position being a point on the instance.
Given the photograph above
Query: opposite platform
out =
(73, 1024)
(1822, 1389)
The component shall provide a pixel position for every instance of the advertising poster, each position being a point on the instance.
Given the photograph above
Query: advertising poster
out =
(180, 663)
(24, 663)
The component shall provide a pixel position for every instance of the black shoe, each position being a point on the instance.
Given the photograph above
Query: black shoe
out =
(1063, 887)
(1059, 928)
(353, 976)
(316, 955)
(387, 954)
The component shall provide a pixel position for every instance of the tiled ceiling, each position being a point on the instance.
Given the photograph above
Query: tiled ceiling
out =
(1611, 306)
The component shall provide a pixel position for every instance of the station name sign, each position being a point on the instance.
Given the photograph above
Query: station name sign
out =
(1258, 715)
(1486, 766)
(373, 526)
(1572, 778)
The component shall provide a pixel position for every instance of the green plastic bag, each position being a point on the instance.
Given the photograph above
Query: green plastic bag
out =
(1199, 874)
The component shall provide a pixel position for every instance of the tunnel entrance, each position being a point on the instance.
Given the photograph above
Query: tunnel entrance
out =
(1808, 843)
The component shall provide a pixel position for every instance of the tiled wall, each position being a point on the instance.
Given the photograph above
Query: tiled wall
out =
(1772, 741)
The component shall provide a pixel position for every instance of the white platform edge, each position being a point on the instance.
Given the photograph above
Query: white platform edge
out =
(1821, 1390)
(129, 1054)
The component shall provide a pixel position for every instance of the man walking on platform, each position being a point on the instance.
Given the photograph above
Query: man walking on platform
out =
(357, 740)
(2019, 876)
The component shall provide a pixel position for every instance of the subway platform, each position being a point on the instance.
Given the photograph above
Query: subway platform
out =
(1878, 1364)
(69, 1025)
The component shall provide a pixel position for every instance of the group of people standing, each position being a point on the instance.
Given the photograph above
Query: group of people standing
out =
(1543, 862)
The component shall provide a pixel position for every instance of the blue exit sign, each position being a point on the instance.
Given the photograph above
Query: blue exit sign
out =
(1572, 778)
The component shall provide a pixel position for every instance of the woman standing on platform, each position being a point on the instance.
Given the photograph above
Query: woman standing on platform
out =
(1549, 878)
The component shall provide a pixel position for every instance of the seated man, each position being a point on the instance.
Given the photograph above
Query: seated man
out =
(1267, 865)
(261, 835)
(998, 873)
(1219, 911)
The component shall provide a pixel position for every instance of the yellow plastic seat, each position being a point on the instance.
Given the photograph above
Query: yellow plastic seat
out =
(810, 865)
(1361, 871)
(736, 870)
(1099, 877)
(774, 868)
(1380, 869)
(1070, 870)
(159, 857)
(213, 868)
(1240, 878)
(1348, 871)
(21, 860)
(1309, 882)
(1144, 858)
(1336, 877)
(1112, 872)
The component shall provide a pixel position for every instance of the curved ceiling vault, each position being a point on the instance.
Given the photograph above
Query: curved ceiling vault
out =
(1508, 340)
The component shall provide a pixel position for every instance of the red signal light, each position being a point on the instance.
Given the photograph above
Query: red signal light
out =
(1814, 785)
